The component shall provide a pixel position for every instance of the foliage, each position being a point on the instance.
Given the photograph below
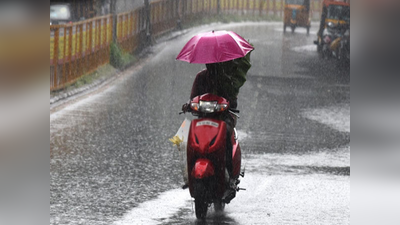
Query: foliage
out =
(116, 56)
(101, 72)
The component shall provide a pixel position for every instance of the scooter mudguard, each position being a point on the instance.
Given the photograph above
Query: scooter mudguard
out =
(203, 168)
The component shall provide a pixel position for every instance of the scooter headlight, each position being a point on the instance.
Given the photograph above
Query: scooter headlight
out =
(208, 107)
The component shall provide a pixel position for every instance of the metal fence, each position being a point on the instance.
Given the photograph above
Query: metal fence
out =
(80, 48)
(130, 26)
(261, 7)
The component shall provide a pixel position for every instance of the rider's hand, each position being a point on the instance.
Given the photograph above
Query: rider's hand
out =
(185, 107)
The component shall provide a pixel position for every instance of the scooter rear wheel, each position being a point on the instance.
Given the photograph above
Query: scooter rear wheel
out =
(201, 208)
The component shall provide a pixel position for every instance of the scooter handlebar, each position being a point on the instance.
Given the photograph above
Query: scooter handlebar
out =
(234, 110)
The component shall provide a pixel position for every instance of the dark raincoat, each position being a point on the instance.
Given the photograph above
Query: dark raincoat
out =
(222, 79)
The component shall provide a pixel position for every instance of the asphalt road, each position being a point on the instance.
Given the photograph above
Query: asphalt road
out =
(111, 161)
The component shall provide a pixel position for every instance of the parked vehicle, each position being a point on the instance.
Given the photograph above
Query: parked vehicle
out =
(329, 34)
(336, 42)
(334, 14)
(338, 13)
(340, 45)
(208, 178)
(297, 14)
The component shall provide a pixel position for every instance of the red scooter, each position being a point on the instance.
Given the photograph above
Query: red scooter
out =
(208, 178)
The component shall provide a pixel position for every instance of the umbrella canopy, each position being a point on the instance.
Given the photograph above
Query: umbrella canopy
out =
(214, 47)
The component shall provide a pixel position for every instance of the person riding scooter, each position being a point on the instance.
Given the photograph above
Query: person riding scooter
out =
(213, 150)
(223, 79)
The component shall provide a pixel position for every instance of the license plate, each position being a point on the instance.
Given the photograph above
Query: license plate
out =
(207, 123)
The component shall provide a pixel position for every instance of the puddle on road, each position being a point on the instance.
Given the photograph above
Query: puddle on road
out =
(298, 199)
(305, 48)
(157, 210)
(335, 162)
(337, 117)
(282, 189)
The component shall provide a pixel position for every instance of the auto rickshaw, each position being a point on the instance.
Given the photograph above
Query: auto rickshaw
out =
(335, 14)
(297, 14)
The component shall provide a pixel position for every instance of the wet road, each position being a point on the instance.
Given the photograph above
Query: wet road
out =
(111, 161)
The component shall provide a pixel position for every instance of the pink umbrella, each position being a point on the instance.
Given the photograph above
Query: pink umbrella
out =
(213, 47)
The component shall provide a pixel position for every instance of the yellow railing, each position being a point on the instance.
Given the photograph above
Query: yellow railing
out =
(128, 29)
(80, 48)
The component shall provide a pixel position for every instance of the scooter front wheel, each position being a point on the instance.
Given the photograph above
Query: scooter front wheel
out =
(200, 207)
